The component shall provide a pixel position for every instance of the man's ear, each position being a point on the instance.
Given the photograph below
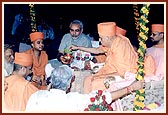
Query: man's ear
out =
(162, 35)
(23, 68)
(32, 45)
(81, 30)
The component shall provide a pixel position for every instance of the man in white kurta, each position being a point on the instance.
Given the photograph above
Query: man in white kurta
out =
(58, 98)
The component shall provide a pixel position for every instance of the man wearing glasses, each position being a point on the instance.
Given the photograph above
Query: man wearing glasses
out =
(75, 37)
(157, 50)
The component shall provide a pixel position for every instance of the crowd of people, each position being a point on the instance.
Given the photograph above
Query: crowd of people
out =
(33, 82)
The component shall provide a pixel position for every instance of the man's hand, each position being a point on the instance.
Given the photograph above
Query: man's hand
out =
(73, 47)
(66, 61)
(5, 85)
(94, 77)
(36, 80)
(136, 85)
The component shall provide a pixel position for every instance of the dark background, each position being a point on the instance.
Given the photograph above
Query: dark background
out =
(59, 16)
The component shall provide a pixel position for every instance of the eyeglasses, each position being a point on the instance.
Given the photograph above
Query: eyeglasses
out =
(77, 30)
(29, 68)
(154, 34)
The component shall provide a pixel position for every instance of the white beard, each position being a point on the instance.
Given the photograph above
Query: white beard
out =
(74, 38)
(8, 67)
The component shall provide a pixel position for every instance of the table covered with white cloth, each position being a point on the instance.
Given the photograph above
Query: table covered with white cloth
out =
(154, 92)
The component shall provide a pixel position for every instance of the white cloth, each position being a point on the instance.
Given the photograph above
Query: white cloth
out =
(79, 59)
(58, 100)
(48, 70)
(95, 44)
(5, 73)
(8, 68)
(158, 55)
(120, 83)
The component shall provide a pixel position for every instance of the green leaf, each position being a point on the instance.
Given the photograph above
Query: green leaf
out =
(67, 51)
(92, 108)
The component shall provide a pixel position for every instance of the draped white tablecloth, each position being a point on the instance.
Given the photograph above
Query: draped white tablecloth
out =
(154, 92)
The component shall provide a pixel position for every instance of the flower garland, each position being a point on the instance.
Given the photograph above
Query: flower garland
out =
(136, 17)
(33, 18)
(143, 36)
(99, 103)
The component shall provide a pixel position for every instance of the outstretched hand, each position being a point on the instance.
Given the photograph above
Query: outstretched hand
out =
(66, 61)
(73, 47)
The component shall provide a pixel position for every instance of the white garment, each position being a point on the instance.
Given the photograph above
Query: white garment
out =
(158, 55)
(8, 68)
(95, 44)
(79, 59)
(58, 100)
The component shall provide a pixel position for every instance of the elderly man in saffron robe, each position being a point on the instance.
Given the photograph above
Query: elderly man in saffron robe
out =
(121, 56)
(18, 89)
(100, 58)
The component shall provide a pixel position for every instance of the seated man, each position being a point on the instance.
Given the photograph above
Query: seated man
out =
(48, 37)
(75, 37)
(8, 60)
(121, 56)
(157, 50)
(18, 89)
(100, 58)
(40, 58)
(57, 98)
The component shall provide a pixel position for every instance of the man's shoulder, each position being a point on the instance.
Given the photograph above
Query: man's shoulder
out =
(14, 78)
(150, 48)
(29, 51)
(85, 37)
(44, 52)
(67, 35)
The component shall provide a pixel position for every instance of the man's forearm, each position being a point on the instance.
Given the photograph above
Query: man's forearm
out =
(120, 93)
(91, 50)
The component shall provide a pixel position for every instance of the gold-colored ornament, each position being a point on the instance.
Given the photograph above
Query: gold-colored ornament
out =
(140, 94)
